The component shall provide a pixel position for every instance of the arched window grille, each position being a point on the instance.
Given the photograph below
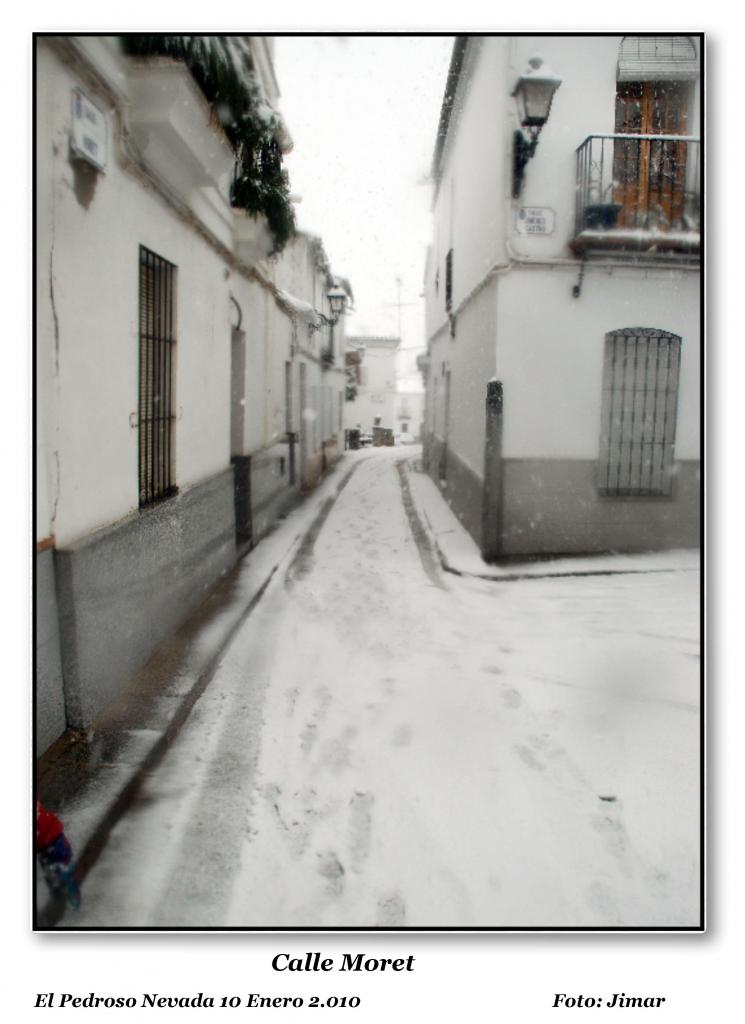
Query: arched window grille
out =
(641, 371)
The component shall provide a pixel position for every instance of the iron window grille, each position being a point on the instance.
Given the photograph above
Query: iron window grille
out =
(449, 281)
(639, 410)
(157, 341)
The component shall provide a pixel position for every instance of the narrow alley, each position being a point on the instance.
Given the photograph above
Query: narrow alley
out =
(387, 745)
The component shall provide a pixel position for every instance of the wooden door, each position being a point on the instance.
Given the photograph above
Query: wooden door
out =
(649, 175)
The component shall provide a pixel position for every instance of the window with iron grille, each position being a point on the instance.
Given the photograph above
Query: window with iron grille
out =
(157, 340)
(449, 281)
(639, 410)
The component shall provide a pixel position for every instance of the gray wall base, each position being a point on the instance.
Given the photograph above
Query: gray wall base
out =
(552, 507)
(461, 487)
(271, 491)
(50, 699)
(122, 590)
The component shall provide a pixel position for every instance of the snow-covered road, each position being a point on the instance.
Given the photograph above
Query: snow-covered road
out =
(386, 746)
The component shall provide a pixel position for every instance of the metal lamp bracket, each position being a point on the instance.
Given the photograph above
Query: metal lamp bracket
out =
(522, 150)
(326, 321)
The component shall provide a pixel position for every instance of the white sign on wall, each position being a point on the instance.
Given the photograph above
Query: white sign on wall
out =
(88, 130)
(535, 220)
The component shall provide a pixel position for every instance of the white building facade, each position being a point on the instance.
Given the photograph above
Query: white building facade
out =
(563, 304)
(409, 414)
(372, 359)
(316, 378)
(169, 367)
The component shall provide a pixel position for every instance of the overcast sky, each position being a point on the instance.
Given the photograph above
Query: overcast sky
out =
(363, 115)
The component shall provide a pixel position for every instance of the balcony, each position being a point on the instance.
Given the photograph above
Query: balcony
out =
(638, 195)
(175, 131)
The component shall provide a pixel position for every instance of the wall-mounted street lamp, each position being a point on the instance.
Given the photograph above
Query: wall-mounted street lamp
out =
(533, 94)
(337, 302)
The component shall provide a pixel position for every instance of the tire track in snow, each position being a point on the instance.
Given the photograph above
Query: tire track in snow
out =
(302, 563)
(426, 554)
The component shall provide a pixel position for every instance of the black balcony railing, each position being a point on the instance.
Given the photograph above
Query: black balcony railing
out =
(638, 192)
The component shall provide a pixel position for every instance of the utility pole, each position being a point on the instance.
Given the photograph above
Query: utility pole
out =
(399, 304)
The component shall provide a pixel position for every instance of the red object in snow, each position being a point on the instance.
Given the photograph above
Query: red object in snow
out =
(48, 826)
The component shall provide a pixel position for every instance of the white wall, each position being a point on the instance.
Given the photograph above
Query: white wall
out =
(91, 240)
(88, 346)
(297, 274)
(470, 359)
(474, 212)
(410, 411)
(550, 353)
(376, 394)
(583, 105)
(469, 209)
(523, 323)
(268, 340)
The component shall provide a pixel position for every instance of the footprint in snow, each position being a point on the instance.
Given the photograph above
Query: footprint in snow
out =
(308, 737)
(612, 830)
(402, 736)
(291, 697)
(527, 755)
(391, 911)
(331, 868)
(511, 698)
(271, 792)
(360, 827)
(600, 899)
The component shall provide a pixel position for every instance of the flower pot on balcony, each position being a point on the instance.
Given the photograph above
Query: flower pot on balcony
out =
(253, 239)
(601, 216)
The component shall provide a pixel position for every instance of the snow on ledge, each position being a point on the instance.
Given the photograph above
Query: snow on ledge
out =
(300, 308)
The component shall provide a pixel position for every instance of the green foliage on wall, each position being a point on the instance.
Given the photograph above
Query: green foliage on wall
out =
(351, 388)
(222, 67)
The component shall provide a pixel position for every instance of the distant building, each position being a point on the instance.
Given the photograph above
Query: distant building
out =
(372, 362)
(409, 414)
(315, 378)
(563, 294)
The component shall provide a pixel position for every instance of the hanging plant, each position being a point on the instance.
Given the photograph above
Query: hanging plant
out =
(223, 69)
(327, 357)
(351, 387)
(319, 257)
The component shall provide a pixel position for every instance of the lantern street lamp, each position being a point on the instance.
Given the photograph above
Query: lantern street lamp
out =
(337, 299)
(337, 303)
(533, 94)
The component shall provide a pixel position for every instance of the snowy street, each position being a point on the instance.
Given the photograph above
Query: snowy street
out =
(385, 744)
